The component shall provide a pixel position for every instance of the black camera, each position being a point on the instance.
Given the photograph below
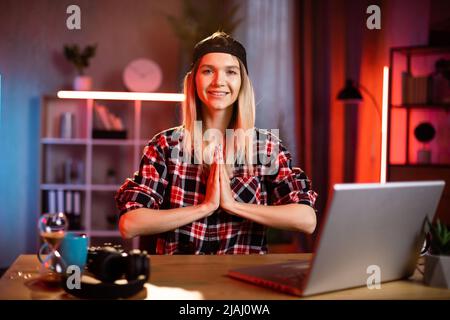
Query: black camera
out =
(109, 264)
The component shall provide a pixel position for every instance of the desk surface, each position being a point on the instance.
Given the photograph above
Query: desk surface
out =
(204, 277)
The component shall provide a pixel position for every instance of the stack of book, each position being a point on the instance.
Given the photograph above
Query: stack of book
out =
(65, 201)
(416, 90)
(107, 125)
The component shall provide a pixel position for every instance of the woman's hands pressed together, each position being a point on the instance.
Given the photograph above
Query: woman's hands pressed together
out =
(218, 190)
(226, 195)
(212, 197)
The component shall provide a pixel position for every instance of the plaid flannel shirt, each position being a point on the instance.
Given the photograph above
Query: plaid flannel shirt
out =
(164, 182)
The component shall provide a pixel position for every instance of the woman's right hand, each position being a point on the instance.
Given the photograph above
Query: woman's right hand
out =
(212, 197)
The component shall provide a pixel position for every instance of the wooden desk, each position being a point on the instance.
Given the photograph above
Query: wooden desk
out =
(203, 277)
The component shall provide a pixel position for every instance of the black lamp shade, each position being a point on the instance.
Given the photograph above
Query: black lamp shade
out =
(350, 93)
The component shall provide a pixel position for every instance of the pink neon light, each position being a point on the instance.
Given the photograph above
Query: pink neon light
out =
(384, 121)
(114, 95)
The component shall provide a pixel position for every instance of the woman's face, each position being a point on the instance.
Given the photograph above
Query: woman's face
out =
(218, 80)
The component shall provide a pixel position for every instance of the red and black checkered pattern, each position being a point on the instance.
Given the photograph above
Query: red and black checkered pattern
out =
(164, 181)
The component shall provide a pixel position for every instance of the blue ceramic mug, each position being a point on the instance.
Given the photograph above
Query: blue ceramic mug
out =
(74, 249)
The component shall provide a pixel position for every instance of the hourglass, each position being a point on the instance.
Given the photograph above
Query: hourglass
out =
(52, 228)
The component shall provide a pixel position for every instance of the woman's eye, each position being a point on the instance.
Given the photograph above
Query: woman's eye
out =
(232, 72)
(206, 71)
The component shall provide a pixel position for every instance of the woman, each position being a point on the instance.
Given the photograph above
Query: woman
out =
(201, 193)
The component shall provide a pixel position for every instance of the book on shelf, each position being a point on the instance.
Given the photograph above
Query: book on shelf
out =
(66, 201)
(106, 120)
(102, 114)
(97, 121)
(76, 214)
(60, 200)
(51, 202)
(416, 89)
(405, 86)
(117, 122)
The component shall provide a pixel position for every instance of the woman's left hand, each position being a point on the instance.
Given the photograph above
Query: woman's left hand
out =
(226, 195)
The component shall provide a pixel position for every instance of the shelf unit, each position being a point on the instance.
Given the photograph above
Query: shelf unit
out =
(142, 120)
(402, 160)
(417, 60)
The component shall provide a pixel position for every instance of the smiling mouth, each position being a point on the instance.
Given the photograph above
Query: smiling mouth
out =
(218, 93)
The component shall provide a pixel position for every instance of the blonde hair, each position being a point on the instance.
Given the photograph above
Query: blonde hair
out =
(243, 115)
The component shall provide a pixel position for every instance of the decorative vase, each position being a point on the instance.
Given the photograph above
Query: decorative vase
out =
(437, 271)
(82, 83)
(67, 125)
(424, 156)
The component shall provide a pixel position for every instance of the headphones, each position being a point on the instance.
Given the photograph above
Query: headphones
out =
(108, 264)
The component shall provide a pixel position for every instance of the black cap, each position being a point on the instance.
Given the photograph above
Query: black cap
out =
(220, 42)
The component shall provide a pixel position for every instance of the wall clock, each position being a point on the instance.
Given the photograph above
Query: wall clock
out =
(142, 75)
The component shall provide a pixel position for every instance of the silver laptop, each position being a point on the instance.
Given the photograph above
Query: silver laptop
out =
(368, 228)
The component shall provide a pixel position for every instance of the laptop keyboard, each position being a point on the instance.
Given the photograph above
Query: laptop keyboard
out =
(293, 277)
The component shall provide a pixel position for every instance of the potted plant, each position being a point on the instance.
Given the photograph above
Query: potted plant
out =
(80, 59)
(437, 260)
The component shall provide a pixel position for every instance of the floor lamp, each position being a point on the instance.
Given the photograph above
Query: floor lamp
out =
(351, 94)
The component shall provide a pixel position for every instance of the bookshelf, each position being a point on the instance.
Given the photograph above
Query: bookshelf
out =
(82, 167)
(416, 97)
(413, 99)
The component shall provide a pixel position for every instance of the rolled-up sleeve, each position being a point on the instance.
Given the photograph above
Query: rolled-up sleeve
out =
(146, 188)
(290, 185)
